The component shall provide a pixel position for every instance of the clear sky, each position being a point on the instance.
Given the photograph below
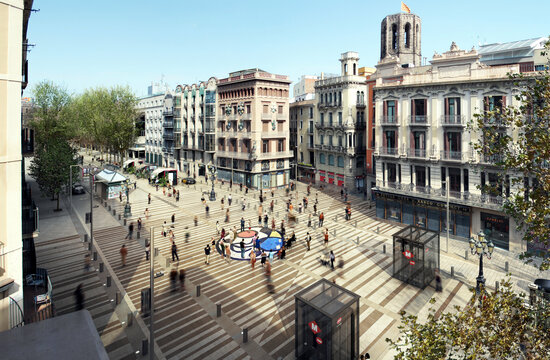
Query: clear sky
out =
(82, 44)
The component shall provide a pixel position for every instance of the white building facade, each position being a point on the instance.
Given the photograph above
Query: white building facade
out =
(152, 107)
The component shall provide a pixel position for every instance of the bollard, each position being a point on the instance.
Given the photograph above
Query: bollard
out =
(85, 237)
(120, 217)
(117, 298)
(358, 240)
(124, 220)
(218, 310)
(198, 290)
(144, 347)
(109, 207)
(167, 264)
(245, 335)
(355, 223)
(157, 251)
(129, 319)
(378, 229)
(94, 255)
(114, 212)
(506, 267)
(496, 285)
(138, 234)
(101, 267)
(384, 248)
(334, 232)
(452, 272)
(108, 281)
(466, 254)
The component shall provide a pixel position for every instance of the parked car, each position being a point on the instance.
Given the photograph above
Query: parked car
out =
(188, 180)
(78, 189)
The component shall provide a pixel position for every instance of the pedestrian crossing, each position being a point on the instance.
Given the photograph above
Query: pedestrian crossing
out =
(184, 329)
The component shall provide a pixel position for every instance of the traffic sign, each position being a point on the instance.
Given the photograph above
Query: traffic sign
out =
(318, 340)
(314, 327)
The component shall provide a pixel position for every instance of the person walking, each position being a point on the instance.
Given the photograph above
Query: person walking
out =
(242, 223)
(130, 231)
(146, 212)
(87, 262)
(228, 252)
(243, 202)
(266, 220)
(252, 258)
(221, 203)
(175, 251)
(164, 229)
(271, 205)
(120, 196)
(222, 245)
(182, 279)
(242, 248)
(139, 223)
(178, 196)
(308, 241)
(123, 253)
(229, 200)
(332, 257)
(257, 241)
(79, 298)
(326, 237)
(234, 234)
(196, 220)
(222, 235)
(173, 219)
(149, 199)
(218, 227)
(227, 215)
(309, 220)
(263, 258)
(315, 208)
(321, 219)
(173, 279)
(147, 250)
(260, 220)
(300, 208)
(207, 254)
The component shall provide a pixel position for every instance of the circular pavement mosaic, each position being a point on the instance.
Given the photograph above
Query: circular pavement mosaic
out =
(258, 238)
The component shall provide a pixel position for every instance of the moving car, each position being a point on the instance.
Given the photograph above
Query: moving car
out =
(78, 189)
(189, 181)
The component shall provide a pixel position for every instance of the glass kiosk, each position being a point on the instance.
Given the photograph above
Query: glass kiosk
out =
(326, 322)
(415, 255)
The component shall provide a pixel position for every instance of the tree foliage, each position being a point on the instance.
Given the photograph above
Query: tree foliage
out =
(517, 140)
(502, 326)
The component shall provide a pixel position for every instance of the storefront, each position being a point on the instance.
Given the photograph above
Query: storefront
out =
(426, 214)
(359, 182)
(306, 173)
(322, 175)
(330, 177)
(497, 229)
(340, 179)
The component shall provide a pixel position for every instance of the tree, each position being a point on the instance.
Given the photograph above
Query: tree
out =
(517, 141)
(501, 326)
(50, 166)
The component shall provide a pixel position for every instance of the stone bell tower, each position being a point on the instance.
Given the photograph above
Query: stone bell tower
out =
(400, 36)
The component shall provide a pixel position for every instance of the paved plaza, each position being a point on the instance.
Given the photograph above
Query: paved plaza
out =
(187, 326)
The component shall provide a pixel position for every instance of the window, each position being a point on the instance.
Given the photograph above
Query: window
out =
(390, 111)
(301, 124)
(359, 162)
(266, 108)
(330, 98)
(310, 126)
(301, 109)
(345, 69)
(301, 139)
(248, 108)
(322, 139)
(340, 161)
(452, 111)
(408, 35)
(311, 113)
(265, 146)
(331, 160)
(339, 141)
(390, 141)
(280, 145)
(394, 37)
(340, 98)
(301, 157)
(340, 118)
(322, 158)
(312, 158)
(322, 119)
(329, 119)
(280, 109)
(330, 140)
(354, 69)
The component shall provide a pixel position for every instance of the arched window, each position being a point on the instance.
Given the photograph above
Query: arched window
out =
(394, 43)
(358, 97)
(340, 161)
(331, 160)
(354, 69)
(408, 35)
(330, 98)
(417, 37)
(322, 158)
(345, 69)
(383, 47)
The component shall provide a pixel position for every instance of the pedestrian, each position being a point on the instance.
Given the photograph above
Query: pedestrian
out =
(173, 219)
(252, 258)
(332, 257)
(120, 196)
(207, 253)
(87, 262)
(272, 193)
(207, 210)
(227, 215)
(164, 229)
(346, 214)
(79, 298)
(321, 219)
(241, 186)
(273, 223)
(349, 213)
(246, 189)
(173, 279)
(257, 241)
(187, 234)
(260, 220)
(228, 252)
(178, 196)
(222, 234)
(218, 227)
(135, 185)
(438, 286)
(221, 203)
(243, 202)
(147, 250)
(229, 200)
(300, 208)
(315, 208)
(263, 258)
(222, 245)
(174, 192)
(123, 253)
(271, 205)
(266, 220)
(309, 220)
(341, 193)
(146, 212)
(326, 237)
(175, 252)
(242, 223)
(308, 241)
(196, 220)
(164, 190)
(242, 248)
(182, 279)
(139, 222)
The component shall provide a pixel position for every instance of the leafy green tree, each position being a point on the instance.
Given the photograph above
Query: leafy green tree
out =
(50, 166)
(517, 140)
(502, 326)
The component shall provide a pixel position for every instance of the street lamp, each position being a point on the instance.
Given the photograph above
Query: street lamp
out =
(213, 177)
(127, 207)
(480, 248)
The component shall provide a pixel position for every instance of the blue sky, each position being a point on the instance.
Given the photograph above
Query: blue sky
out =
(82, 44)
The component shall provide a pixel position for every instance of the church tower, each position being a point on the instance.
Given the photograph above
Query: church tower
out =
(401, 37)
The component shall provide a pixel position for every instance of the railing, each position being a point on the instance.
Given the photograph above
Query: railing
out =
(388, 151)
(452, 120)
(416, 153)
(278, 154)
(452, 155)
(389, 120)
(494, 121)
(16, 314)
(168, 124)
(168, 112)
(168, 136)
(234, 154)
(310, 145)
(361, 104)
(492, 159)
(274, 134)
(310, 130)
(319, 146)
(360, 125)
(422, 120)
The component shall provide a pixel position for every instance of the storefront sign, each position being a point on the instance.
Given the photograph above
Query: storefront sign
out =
(422, 202)
(318, 340)
(314, 327)
(412, 262)
(339, 321)
(408, 254)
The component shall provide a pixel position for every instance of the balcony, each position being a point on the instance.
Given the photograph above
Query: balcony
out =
(416, 153)
(332, 104)
(453, 120)
(168, 136)
(243, 134)
(274, 155)
(234, 154)
(495, 121)
(492, 159)
(274, 134)
(168, 124)
(385, 151)
(453, 155)
(168, 112)
(419, 120)
(389, 121)
(360, 125)
(361, 104)
(282, 117)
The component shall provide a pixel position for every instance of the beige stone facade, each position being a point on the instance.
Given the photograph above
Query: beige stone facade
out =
(302, 119)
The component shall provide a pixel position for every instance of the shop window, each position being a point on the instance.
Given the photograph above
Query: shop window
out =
(322, 158)
(331, 160)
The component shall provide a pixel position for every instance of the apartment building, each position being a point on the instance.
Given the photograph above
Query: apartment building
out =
(340, 122)
(422, 142)
(151, 109)
(302, 110)
(195, 126)
(253, 129)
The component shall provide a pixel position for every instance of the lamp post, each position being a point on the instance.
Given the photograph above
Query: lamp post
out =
(481, 248)
(213, 177)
